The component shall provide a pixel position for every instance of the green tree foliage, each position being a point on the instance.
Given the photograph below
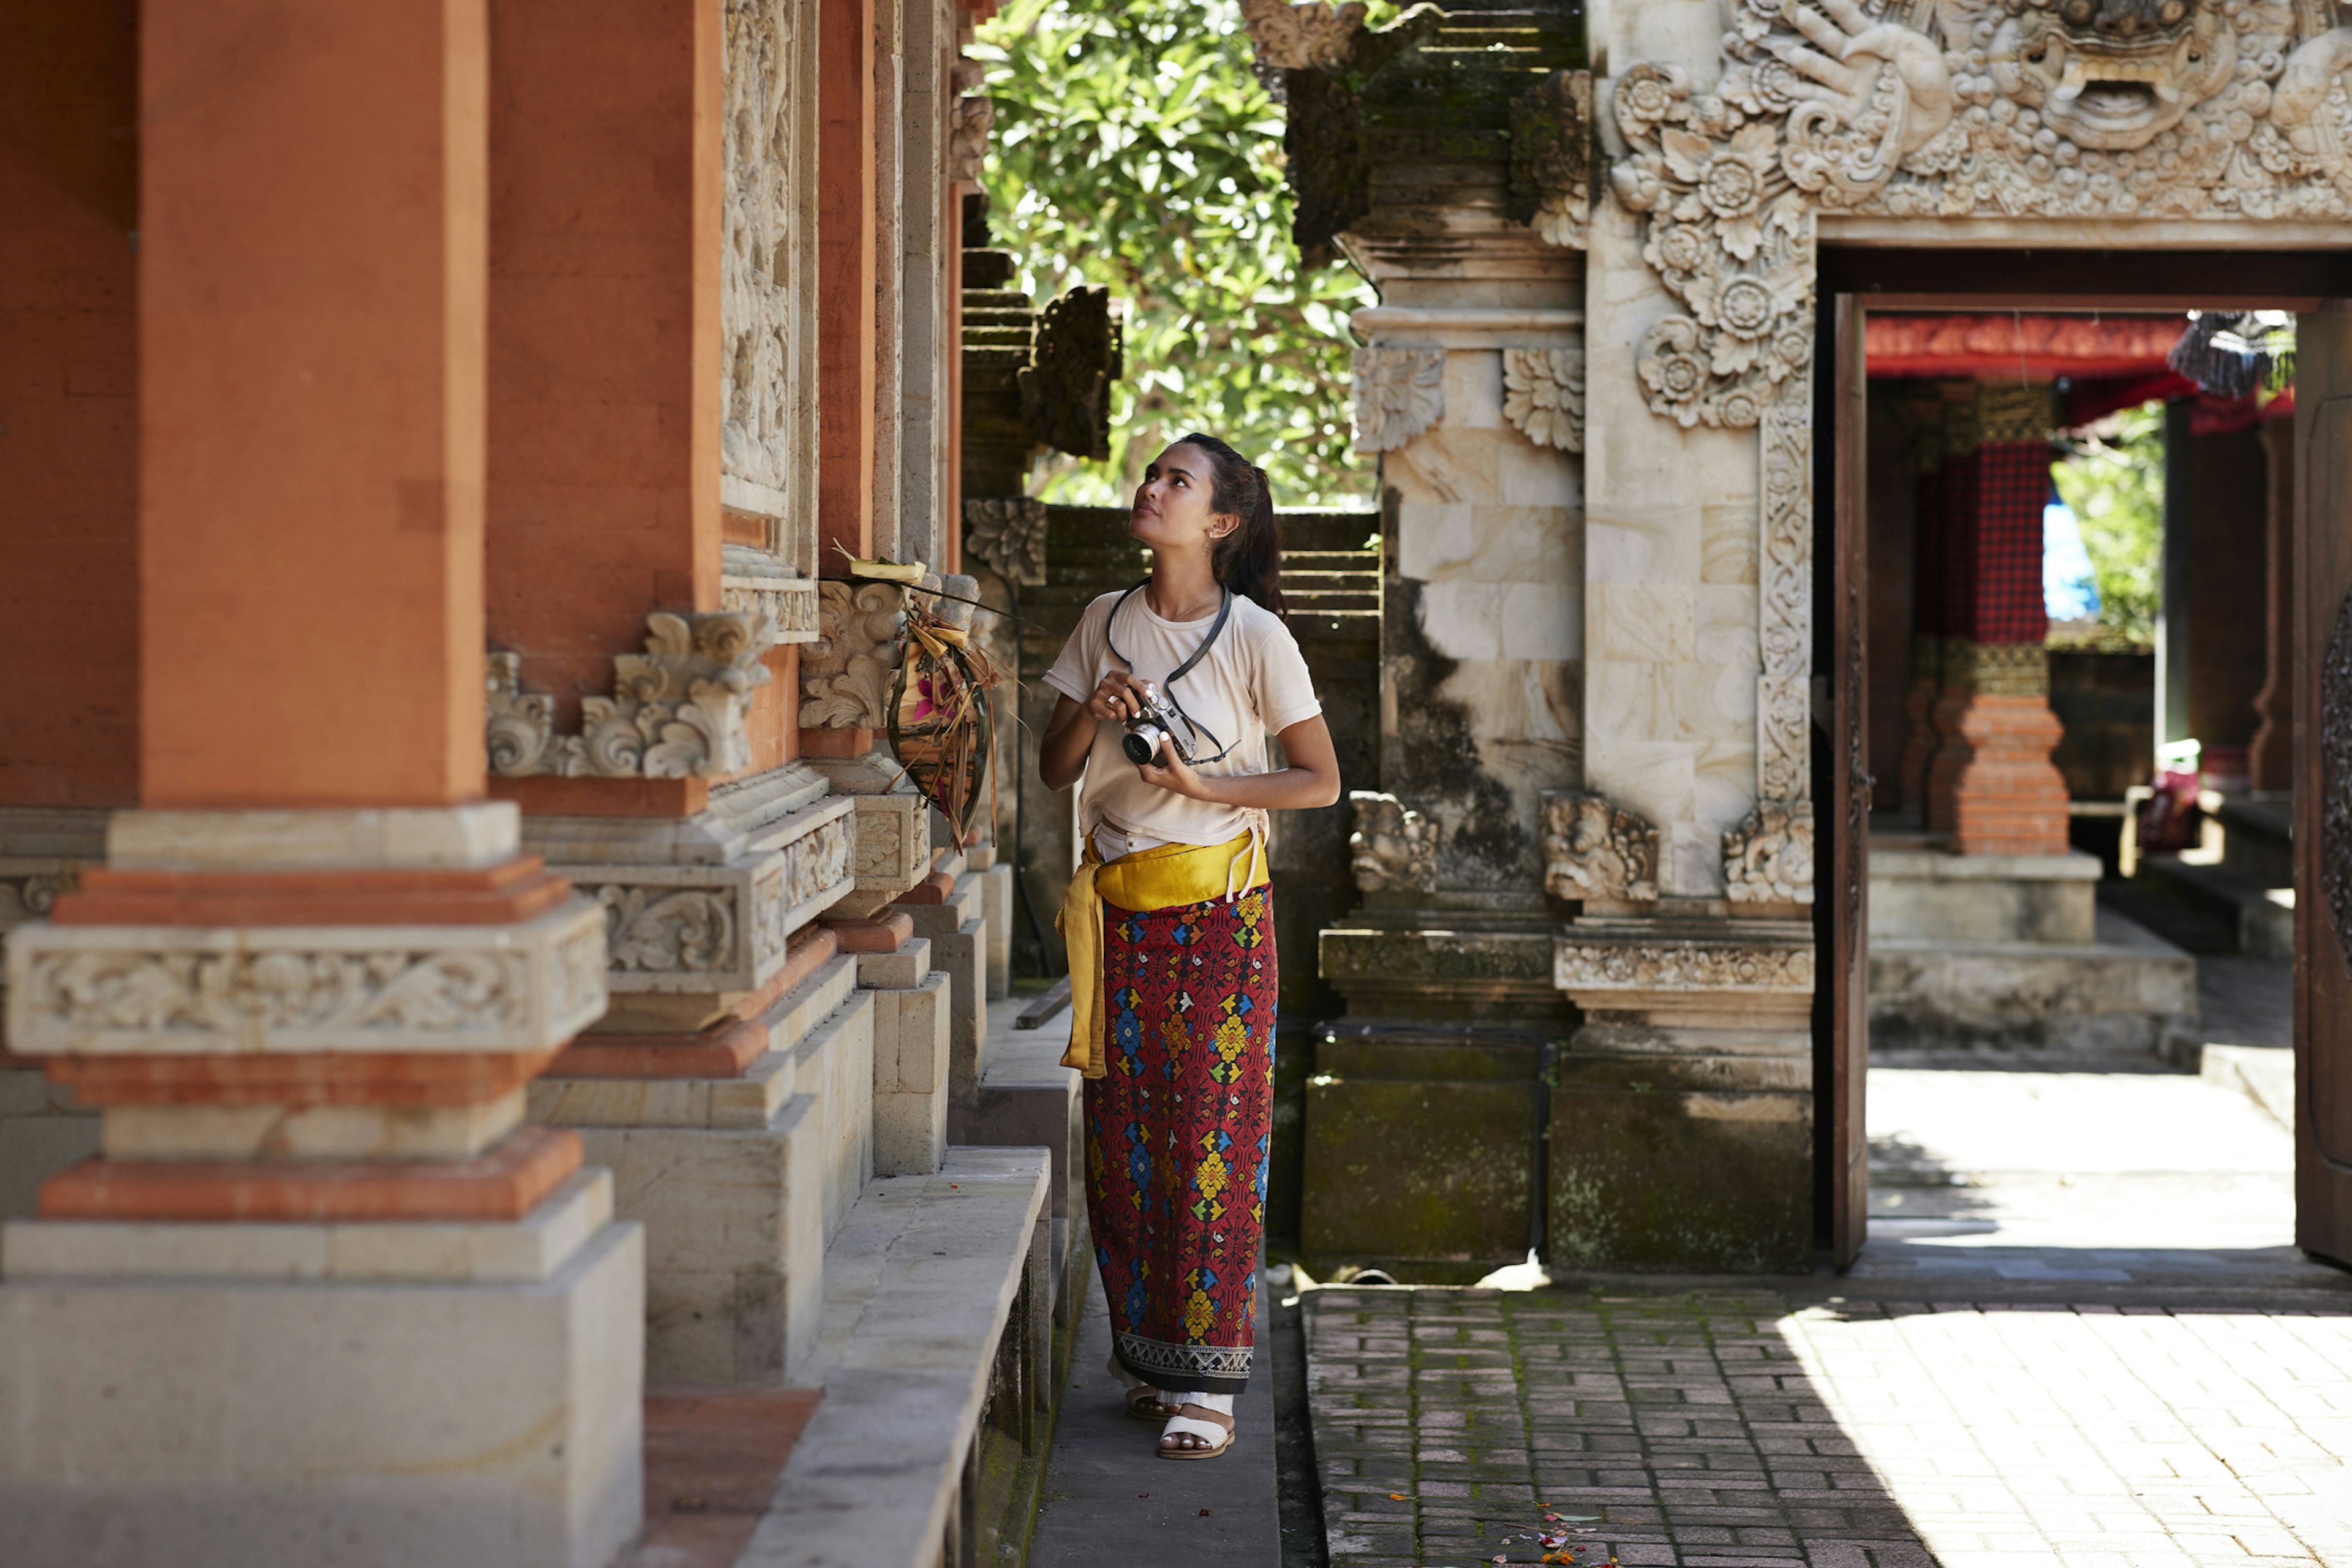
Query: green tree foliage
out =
(1135, 147)
(2113, 483)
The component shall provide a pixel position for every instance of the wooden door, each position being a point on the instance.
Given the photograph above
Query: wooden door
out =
(2323, 782)
(1841, 800)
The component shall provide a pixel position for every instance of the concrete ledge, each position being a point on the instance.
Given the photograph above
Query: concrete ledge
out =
(2262, 917)
(1926, 895)
(919, 1291)
(2264, 1074)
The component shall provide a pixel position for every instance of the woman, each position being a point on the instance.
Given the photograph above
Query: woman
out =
(1170, 924)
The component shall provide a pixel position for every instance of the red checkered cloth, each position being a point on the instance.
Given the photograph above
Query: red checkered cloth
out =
(2012, 487)
(1928, 557)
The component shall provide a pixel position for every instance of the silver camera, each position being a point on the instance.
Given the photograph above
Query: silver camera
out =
(1157, 720)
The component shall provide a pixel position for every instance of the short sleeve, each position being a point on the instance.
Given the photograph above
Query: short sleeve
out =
(1286, 691)
(1077, 670)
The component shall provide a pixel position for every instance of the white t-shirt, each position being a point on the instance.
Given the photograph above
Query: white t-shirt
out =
(1252, 684)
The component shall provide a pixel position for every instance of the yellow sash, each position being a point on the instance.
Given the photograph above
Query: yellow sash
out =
(1172, 874)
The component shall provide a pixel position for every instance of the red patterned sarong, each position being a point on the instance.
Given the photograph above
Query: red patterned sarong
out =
(1178, 1130)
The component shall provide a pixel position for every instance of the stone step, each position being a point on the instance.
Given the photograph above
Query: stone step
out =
(2123, 995)
(2261, 918)
(933, 1305)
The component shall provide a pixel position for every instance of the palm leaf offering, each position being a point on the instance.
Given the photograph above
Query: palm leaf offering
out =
(942, 722)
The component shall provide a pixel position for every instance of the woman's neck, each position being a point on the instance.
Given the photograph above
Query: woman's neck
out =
(1182, 588)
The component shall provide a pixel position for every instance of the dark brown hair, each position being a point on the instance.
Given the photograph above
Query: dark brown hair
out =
(1249, 559)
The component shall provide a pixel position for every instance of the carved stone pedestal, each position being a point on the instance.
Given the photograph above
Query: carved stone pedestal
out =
(731, 1088)
(1682, 1112)
(321, 1283)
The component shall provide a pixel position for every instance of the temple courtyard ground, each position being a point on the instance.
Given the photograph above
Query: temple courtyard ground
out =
(2080, 1335)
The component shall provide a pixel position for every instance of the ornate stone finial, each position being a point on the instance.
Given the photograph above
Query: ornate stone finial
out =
(1551, 157)
(1400, 392)
(1299, 37)
(677, 710)
(1543, 394)
(1066, 387)
(1594, 848)
(1009, 533)
(845, 674)
(969, 125)
(1768, 858)
(1394, 849)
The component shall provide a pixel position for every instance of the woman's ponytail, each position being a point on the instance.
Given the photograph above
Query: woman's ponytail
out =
(1248, 560)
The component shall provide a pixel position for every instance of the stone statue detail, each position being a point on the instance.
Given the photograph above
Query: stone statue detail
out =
(1008, 533)
(1066, 387)
(1295, 37)
(845, 674)
(969, 122)
(1594, 848)
(1551, 157)
(2183, 108)
(677, 710)
(1394, 849)
(1768, 858)
(1543, 394)
(1400, 392)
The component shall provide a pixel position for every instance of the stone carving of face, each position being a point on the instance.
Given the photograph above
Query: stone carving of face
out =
(2108, 74)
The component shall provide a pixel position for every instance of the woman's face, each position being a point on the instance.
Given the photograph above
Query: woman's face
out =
(1171, 506)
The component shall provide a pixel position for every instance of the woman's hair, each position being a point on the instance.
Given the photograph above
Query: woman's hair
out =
(1248, 560)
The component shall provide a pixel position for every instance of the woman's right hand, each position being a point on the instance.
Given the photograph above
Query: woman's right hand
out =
(1116, 698)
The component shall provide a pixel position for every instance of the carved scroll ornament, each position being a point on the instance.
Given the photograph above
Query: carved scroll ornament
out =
(846, 673)
(1394, 849)
(1768, 858)
(970, 122)
(1543, 395)
(677, 710)
(1400, 392)
(1596, 849)
(1295, 38)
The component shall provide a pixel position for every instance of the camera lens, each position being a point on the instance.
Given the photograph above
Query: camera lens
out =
(1140, 744)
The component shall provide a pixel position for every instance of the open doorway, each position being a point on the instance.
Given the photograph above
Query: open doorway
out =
(2060, 618)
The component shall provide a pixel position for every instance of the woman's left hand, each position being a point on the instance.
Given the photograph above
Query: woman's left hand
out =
(1172, 773)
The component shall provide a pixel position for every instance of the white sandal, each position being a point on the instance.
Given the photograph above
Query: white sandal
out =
(1217, 1432)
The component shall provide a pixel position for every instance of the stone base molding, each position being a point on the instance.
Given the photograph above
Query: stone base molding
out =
(1692, 968)
(497, 1365)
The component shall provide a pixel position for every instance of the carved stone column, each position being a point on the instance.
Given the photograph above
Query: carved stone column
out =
(310, 983)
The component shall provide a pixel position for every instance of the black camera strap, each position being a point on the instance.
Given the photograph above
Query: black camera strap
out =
(1224, 608)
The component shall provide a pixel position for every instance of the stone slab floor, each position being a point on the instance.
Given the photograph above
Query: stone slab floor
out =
(2080, 1335)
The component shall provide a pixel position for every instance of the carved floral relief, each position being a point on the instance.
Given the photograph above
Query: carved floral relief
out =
(1394, 849)
(1596, 849)
(1009, 533)
(1400, 392)
(677, 710)
(1543, 395)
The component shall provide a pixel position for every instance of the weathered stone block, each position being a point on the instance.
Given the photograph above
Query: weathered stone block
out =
(1688, 1164)
(1419, 1146)
(963, 957)
(165, 1422)
(1926, 895)
(835, 1064)
(996, 907)
(734, 1248)
(896, 971)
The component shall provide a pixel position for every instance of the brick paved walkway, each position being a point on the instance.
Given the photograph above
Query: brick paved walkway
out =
(1731, 1428)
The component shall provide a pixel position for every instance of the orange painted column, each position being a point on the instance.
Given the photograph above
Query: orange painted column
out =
(847, 343)
(312, 301)
(346, 967)
(69, 368)
(604, 380)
